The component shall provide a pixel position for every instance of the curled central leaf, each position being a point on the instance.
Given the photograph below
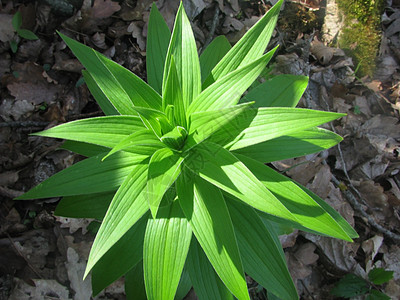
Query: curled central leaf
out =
(175, 139)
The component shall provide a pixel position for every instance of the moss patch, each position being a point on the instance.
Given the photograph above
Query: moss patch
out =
(360, 36)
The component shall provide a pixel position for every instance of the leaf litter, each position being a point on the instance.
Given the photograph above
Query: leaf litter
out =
(40, 84)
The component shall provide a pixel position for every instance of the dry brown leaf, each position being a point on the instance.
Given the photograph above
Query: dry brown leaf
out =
(371, 248)
(320, 184)
(11, 110)
(299, 262)
(76, 269)
(335, 200)
(103, 9)
(42, 289)
(35, 93)
(323, 53)
(74, 224)
(136, 32)
(6, 30)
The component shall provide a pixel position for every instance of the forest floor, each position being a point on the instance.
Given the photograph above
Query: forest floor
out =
(43, 256)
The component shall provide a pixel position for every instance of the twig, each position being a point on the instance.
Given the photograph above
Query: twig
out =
(212, 28)
(19, 124)
(23, 256)
(357, 206)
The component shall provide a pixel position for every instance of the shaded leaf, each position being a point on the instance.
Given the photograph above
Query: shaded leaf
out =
(214, 52)
(350, 286)
(134, 283)
(380, 276)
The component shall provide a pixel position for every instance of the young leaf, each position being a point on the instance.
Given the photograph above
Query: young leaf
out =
(206, 211)
(296, 144)
(350, 286)
(300, 204)
(85, 206)
(103, 131)
(89, 176)
(155, 120)
(105, 104)
(158, 37)
(206, 282)
(281, 91)
(165, 248)
(249, 48)
(377, 295)
(183, 48)
(214, 52)
(127, 207)
(121, 257)
(219, 167)
(16, 21)
(380, 276)
(263, 258)
(164, 168)
(227, 90)
(27, 34)
(269, 123)
(123, 88)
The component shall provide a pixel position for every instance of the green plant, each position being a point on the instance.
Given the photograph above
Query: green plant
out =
(176, 169)
(23, 33)
(352, 285)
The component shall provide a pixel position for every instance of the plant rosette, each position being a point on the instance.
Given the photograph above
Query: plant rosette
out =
(176, 169)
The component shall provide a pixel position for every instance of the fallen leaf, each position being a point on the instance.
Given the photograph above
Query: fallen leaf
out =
(42, 289)
(76, 269)
(7, 32)
(74, 224)
(371, 248)
(136, 32)
(11, 110)
(35, 93)
(104, 8)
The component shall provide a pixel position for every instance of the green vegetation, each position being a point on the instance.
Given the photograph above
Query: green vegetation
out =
(176, 169)
(360, 36)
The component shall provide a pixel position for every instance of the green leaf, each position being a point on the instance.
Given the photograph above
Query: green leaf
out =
(350, 286)
(172, 96)
(123, 88)
(141, 142)
(123, 256)
(16, 20)
(134, 283)
(14, 46)
(103, 131)
(154, 120)
(158, 37)
(105, 104)
(377, 295)
(224, 170)
(89, 176)
(183, 48)
(206, 282)
(184, 286)
(227, 90)
(269, 123)
(127, 207)
(166, 244)
(164, 168)
(281, 91)
(27, 34)
(380, 276)
(84, 149)
(85, 206)
(206, 211)
(263, 258)
(308, 212)
(215, 125)
(214, 52)
(334, 214)
(249, 48)
(296, 144)
(175, 139)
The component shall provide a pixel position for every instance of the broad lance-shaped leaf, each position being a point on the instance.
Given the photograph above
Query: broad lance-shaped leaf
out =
(281, 91)
(172, 97)
(85, 206)
(308, 213)
(228, 89)
(122, 256)
(123, 88)
(142, 142)
(164, 168)
(214, 52)
(103, 131)
(206, 211)
(134, 283)
(165, 248)
(183, 48)
(214, 124)
(158, 37)
(296, 144)
(263, 258)
(206, 282)
(127, 207)
(249, 48)
(89, 176)
(221, 168)
(84, 149)
(267, 123)
(105, 104)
